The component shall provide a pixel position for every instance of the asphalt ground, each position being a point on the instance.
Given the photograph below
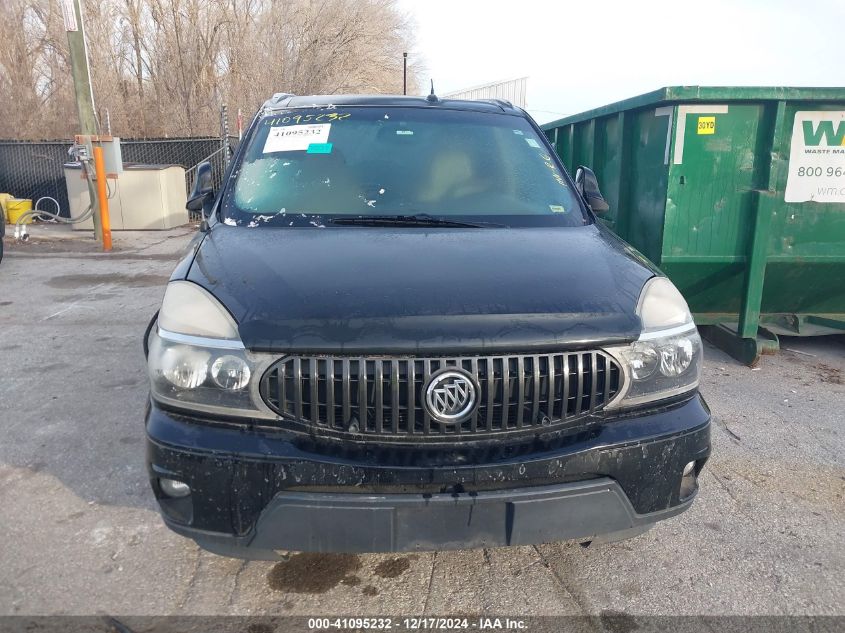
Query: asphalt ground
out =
(80, 533)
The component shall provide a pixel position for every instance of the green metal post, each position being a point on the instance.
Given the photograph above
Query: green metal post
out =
(623, 213)
(755, 270)
(590, 155)
(570, 147)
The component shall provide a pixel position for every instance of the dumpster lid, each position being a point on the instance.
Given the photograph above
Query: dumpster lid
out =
(692, 94)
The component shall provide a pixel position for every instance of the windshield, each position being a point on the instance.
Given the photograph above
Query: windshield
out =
(315, 166)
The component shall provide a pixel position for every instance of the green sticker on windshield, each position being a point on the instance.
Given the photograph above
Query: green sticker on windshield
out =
(320, 148)
(556, 208)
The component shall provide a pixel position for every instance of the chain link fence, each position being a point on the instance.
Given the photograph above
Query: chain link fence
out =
(34, 169)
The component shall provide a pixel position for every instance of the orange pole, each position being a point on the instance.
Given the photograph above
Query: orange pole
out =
(102, 197)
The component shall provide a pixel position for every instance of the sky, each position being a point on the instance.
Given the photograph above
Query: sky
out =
(580, 55)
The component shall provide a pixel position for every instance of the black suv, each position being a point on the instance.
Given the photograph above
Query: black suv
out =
(401, 327)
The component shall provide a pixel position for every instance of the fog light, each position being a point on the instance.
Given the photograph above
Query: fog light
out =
(173, 488)
(689, 482)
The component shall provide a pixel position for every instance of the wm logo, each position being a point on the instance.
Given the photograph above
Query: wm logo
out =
(824, 130)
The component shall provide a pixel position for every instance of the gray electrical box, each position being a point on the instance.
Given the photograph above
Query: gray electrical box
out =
(112, 156)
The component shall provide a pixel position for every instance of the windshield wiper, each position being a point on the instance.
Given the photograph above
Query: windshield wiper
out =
(418, 219)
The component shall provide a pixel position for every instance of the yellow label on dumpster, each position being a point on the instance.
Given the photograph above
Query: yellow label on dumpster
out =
(706, 125)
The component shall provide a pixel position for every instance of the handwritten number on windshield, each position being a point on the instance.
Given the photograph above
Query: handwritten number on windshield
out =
(296, 119)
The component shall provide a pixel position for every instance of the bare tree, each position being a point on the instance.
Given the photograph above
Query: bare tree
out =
(164, 67)
(33, 61)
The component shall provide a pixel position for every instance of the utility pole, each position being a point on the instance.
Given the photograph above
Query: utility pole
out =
(79, 66)
(72, 12)
(404, 73)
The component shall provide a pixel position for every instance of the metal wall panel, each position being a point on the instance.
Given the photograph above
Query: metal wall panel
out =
(512, 90)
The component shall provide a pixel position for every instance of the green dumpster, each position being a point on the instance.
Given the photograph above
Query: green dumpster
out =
(737, 194)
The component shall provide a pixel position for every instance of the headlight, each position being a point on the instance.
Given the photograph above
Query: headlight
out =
(201, 364)
(190, 309)
(666, 360)
(183, 366)
(661, 306)
(230, 372)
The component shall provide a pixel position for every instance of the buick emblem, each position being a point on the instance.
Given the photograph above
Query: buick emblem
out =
(450, 396)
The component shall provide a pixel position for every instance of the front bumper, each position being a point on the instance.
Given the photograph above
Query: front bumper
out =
(255, 492)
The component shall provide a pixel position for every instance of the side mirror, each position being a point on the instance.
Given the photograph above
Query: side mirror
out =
(203, 188)
(588, 187)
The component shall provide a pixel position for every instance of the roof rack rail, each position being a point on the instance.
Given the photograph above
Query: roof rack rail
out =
(502, 103)
(277, 99)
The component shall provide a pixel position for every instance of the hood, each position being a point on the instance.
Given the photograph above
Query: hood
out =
(410, 290)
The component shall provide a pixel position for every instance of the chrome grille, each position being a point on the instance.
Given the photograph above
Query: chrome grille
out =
(383, 396)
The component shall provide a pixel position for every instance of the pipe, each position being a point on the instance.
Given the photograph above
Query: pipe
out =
(20, 227)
